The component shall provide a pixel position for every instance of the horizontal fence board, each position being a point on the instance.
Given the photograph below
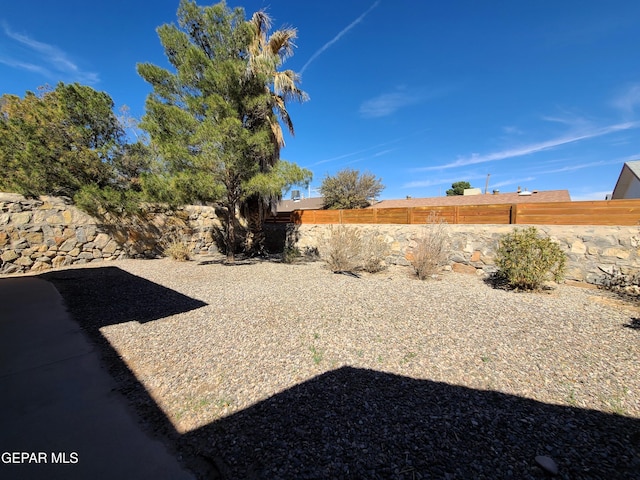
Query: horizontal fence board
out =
(392, 215)
(592, 212)
(358, 216)
(575, 220)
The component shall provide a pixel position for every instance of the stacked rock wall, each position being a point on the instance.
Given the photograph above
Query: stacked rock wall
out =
(49, 232)
(592, 251)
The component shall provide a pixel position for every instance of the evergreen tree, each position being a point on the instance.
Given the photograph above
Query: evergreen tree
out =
(58, 141)
(458, 188)
(206, 119)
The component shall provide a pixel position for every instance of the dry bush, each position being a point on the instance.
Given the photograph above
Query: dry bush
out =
(432, 247)
(343, 249)
(177, 250)
(374, 252)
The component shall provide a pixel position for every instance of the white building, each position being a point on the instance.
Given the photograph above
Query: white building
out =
(628, 184)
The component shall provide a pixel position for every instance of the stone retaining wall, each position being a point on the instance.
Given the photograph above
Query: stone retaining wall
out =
(592, 251)
(49, 232)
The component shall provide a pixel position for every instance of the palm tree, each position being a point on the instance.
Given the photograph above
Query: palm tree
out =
(266, 54)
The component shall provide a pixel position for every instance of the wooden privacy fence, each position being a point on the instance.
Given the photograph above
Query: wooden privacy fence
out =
(605, 212)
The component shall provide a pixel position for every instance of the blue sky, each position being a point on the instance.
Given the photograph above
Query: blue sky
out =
(543, 95)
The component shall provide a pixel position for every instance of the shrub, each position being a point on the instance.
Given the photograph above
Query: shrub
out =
(374, 251)
(290, 254)
(625, 284)
(177, 250)
(343, 249)
(430, 252)
(525, 260)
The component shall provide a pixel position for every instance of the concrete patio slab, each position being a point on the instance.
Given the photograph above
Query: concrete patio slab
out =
(60, 414)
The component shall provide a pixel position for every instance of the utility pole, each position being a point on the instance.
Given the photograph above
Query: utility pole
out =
(486, 185)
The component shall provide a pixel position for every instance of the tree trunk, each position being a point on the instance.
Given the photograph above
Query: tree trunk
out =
(254, 214)
(231, 233)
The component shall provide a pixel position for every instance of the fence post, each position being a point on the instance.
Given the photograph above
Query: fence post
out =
(513, 214)
(340, 216)
(375, 216)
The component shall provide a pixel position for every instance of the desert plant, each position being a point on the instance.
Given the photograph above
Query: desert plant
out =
(526, 260)
(374, 251)
(290, 254)
(343, 249)
(430, 251)
(177, 250)
(619, 282)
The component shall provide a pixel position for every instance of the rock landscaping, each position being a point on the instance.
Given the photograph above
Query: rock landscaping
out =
(267, 370)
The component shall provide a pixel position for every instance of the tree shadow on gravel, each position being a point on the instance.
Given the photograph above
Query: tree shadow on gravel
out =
(634, 324)
(239, 262)
(353, 423)
(357, 423)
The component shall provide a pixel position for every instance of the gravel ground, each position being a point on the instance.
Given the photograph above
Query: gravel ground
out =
(267, 370)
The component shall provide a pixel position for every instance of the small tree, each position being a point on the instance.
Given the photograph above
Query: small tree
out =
(525, 260)
(350, 189)
(213, 119)
(458, 188)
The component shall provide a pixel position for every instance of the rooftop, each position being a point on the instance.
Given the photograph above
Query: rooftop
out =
(486, 199)
(314, 203)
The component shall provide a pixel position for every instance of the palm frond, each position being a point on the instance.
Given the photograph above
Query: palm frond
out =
(281, 43)
(261, 24)
(280, 107)
(285, 83)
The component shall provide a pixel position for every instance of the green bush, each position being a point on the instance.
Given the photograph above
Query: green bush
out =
(290, 254)
(525, 260)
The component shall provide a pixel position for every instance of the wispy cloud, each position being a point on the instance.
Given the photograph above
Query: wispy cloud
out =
(346, 155)
(383, 152)
(511, 181)
(581, 166)
(574, 167)
(440, 181)
(512, 130)
(628, 100)
(322, 49)
(590, 196)
(42, 58)
(374, 147)
(569, 119)
(388, 103)
(532, 148)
